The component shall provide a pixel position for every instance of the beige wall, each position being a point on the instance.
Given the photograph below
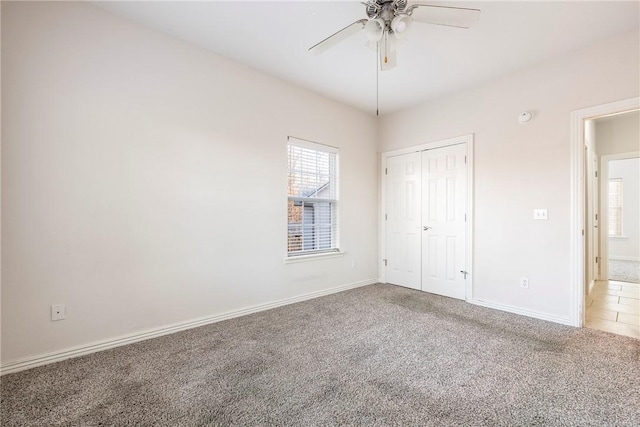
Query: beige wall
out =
(522, 167)
(618, 134)
(144, 181)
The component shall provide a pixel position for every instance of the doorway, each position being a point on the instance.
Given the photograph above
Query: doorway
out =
(601, 303)
(620, 207)
(426, 224)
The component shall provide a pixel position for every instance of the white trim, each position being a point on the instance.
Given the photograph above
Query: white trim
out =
(429, 146)
(382, 273)
(305, 143)
(625, 258)
(528, 313)
(469, 226)
(622, 156)
(465, 139)
(312, 257)
(604, 217)
(44, 359)
(577, 190)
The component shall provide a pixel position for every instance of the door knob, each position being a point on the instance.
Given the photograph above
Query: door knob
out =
(425, 228)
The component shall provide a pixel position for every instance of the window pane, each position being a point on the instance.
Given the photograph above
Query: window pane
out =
(312, 191)
(311, 173)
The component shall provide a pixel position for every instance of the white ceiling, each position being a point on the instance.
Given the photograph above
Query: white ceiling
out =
(273, 36)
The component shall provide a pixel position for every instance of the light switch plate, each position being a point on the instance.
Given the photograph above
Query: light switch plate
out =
(540, 214)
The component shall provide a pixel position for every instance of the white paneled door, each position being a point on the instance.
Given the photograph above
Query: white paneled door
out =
(426, 203)
(444, 200)
(403, 220)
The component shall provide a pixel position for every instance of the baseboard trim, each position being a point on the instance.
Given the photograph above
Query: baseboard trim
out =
(522, 312)
(45, 359)
(624, 258)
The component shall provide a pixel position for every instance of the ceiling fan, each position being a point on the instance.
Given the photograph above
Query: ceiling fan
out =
(388, 21)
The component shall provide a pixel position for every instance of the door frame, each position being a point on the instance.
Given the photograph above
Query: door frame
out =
(604, 207)
(577, 197)
(465, 139)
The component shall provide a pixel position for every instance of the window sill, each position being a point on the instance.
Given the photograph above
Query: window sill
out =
(618, 237)
(312, 257)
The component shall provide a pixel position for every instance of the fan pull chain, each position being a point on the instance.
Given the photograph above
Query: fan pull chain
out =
(386, 47)
(377, 79)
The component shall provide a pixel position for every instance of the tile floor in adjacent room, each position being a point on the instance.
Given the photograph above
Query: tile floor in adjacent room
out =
(614, 307)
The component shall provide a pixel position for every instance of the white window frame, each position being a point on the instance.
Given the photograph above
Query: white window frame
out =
(334, 250)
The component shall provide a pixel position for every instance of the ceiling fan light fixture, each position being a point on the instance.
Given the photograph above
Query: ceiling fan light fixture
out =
(388, 21)
(373, 29)
(400, 24)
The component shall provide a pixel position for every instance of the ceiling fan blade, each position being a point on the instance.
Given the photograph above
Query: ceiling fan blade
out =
(337, 37)
(444, 15)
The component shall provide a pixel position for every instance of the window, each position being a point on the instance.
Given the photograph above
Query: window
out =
(615, 207)
(312, 198)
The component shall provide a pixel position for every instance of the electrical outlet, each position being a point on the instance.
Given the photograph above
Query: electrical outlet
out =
(524, 282)
(354, 264)
(57, 312)
(540, 214)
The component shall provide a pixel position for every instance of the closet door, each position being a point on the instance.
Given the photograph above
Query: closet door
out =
(444, 196)
(403, 184)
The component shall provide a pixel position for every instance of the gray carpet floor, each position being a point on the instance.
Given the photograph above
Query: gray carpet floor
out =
(379, 355)
(624, 271)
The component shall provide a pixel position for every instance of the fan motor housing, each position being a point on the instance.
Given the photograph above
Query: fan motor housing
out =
(385, 9)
